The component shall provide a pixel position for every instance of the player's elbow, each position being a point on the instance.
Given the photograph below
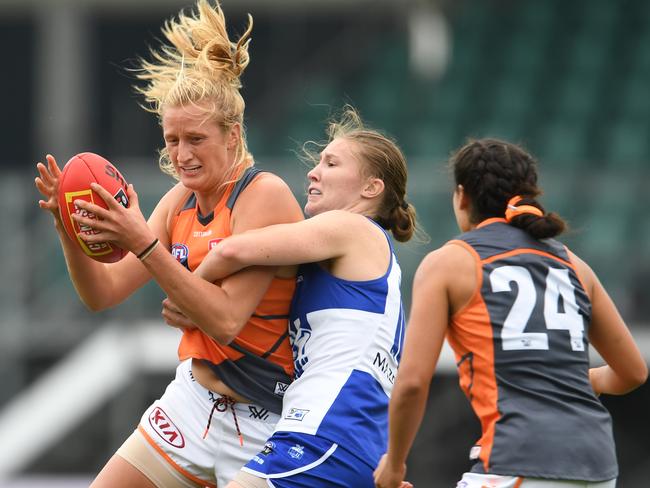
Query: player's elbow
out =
(640, 376)
(92, 307)
(95, 305)
(224, 330)
(229, 251)
(632, 379)
(410, 387)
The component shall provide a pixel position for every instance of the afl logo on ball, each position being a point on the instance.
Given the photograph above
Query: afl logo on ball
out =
(165, 428)
(180, 252)
(121, 198)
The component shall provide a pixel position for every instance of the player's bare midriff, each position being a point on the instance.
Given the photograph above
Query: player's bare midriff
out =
(206, 378)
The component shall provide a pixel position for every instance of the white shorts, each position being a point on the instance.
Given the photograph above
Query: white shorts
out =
(475, 480)
(200, 442)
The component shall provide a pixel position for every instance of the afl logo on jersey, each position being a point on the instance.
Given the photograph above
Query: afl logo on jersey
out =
(180, 252)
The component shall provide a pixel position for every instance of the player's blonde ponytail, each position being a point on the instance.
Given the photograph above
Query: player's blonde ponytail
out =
(199, 65)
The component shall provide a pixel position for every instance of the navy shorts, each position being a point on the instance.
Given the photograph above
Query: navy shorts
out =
(295, 460)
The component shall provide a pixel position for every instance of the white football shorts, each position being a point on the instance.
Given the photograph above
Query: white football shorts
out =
(475, 480)
(205, 437)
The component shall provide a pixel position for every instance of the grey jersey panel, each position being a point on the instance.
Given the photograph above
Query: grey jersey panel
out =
(551, 425)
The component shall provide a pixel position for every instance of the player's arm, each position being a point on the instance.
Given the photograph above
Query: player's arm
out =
(625, 369)
(99, 285)
(266, 201)
(85, 273)
(329, 235)
(428, 320)
(221, 311)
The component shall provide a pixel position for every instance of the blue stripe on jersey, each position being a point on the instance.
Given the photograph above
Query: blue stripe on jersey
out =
(396, 349)
(318, 289)
(365, 433)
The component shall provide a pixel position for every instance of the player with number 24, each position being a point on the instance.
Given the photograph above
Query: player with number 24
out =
(519, 310)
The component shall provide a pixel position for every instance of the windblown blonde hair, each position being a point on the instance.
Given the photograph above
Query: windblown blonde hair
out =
(199, 65)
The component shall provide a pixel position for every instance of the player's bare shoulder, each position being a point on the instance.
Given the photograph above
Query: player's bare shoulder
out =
(266, 181)
(585, 274)
(349, 225)
(163, 214)
(171, 200)
(449, 258)
(267, 200)
(454, 268)
(270, 189)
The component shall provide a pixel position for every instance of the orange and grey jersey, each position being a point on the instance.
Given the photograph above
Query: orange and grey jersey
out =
(521, 348)
(258, 363)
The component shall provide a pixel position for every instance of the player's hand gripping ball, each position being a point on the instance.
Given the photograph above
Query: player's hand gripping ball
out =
(77, 175)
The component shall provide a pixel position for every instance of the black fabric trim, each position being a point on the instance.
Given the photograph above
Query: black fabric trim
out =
(204, 219)
(276, 345)
(246, 352)
(253, 377)
(190, 203)
(271, 317)
(499, 237)
(248, 176)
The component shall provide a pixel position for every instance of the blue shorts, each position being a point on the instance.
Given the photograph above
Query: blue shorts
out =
(295, 460)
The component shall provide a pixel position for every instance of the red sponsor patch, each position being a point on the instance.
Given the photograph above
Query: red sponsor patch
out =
(213, 242)
(165, 428)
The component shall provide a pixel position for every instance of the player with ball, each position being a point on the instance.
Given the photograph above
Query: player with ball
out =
(236, 360)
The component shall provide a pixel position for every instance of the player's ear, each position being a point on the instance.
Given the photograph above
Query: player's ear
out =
(234, 136)
(463, 198)
(373, 188)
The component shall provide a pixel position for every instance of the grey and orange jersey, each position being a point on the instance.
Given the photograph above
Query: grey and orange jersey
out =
(521, 347)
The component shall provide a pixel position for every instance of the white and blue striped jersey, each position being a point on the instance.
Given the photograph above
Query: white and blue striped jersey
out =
(347, 338)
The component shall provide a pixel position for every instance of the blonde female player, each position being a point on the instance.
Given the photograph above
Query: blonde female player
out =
(519, 309)
(347, 322)
(235, 366)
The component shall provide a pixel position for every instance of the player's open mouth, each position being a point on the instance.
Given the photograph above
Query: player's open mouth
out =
(190, 169)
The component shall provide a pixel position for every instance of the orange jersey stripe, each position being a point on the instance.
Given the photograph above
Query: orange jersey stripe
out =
(472, 340)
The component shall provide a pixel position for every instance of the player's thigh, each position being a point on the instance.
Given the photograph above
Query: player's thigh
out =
(152, 465)
(119, 472)
(247, 480)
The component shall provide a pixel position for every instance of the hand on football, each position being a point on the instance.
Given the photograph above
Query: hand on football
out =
(124, 227)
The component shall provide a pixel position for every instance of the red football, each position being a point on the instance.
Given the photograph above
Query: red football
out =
(77, 175)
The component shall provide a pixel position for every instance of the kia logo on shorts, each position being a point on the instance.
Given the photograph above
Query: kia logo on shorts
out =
(165, 428)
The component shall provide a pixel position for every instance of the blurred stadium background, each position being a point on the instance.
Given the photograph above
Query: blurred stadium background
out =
(568, 79)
